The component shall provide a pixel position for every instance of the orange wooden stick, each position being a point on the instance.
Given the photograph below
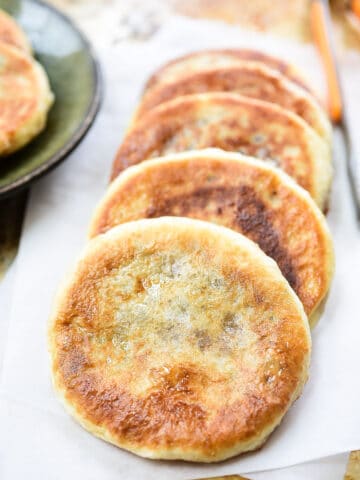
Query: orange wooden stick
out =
(320, 31)
(355, 7)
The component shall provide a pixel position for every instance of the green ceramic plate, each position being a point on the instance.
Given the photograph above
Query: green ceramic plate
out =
(75, 80)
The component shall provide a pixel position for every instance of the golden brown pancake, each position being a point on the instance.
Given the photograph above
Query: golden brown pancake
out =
(233, 123)
(25, 98)
(197, 61)
(178, 339)
(250, 79)
(237, 192)
(12, 34)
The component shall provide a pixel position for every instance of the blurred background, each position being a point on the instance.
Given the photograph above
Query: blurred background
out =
(281, 17)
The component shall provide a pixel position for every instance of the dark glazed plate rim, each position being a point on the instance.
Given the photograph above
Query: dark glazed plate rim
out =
(87, 121)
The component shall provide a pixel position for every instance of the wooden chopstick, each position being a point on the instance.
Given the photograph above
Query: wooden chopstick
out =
(319, 16)
(321, 28)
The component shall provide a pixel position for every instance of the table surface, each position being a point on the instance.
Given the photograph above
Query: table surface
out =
(138, 20)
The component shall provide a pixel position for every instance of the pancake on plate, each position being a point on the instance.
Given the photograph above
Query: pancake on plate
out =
(198, 61)
(25, 98)
(234, 123)
(11, 33)
(238, 192)
(251, 79)
(178, 339)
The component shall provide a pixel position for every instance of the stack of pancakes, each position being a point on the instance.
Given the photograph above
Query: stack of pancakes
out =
(183, 330)
(25, 95)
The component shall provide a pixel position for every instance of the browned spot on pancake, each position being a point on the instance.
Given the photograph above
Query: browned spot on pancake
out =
(229, 323)
(255, 220)
(203, 339)
(249, 213)
(139, 286)
(164, 413)
(74, 363)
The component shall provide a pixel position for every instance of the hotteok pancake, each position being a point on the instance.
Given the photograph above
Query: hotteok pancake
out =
(25, 98)
(234, 123)
(178, 339)
(197, 61)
